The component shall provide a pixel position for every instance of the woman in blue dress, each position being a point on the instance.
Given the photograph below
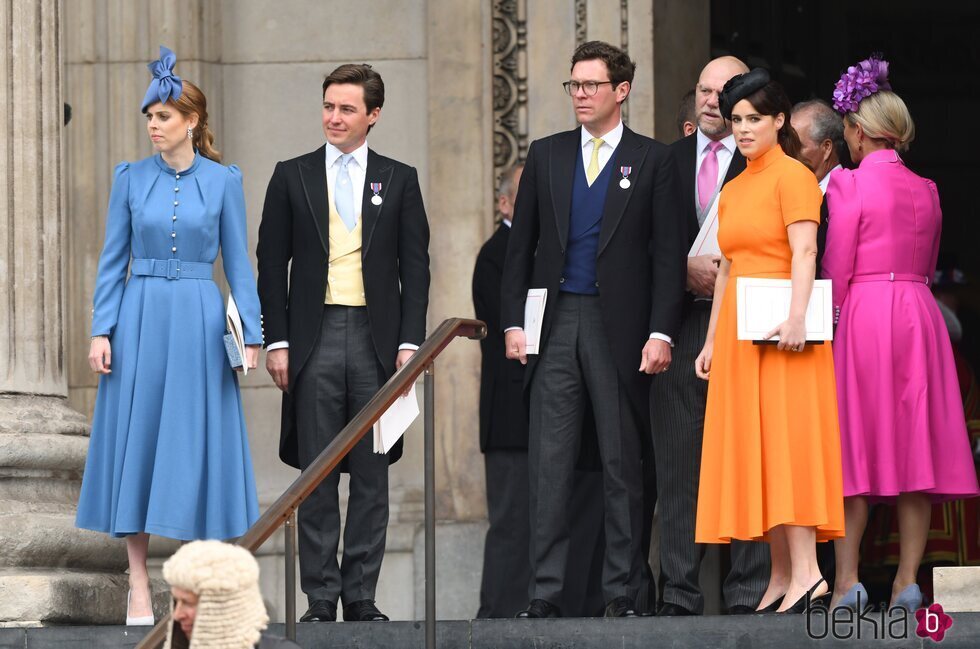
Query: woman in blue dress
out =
(169, 451)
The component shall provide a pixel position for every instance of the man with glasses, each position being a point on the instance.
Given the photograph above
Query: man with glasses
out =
(596, 224)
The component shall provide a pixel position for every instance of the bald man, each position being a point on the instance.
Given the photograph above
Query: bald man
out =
(707, 159)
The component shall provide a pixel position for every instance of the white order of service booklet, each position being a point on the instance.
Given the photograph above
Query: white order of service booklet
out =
(533, 317)
(706, 243)
(763, 303)
(395, 421)
(235, 338)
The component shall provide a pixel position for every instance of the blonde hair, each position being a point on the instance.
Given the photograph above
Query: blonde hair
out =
(193, 102)
(230, 610)
(884, 116)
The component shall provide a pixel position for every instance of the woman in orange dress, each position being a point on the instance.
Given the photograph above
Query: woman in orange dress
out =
(771, 465)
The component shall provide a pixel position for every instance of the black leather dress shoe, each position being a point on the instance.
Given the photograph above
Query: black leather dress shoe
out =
(321, 610)
(742, 609)
(539, 608)
(363, 611)
(673, 610)
(620, 607)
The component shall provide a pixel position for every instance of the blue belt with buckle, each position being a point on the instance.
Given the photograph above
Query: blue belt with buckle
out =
(171, 268)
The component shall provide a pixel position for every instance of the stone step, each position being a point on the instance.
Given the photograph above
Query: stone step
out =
(708, 632)
(957, 588)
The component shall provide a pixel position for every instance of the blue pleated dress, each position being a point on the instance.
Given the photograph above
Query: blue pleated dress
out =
(169, 452)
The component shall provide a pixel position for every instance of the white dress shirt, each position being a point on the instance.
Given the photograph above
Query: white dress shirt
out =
(609, 143)
(825, 181)
(357, 170)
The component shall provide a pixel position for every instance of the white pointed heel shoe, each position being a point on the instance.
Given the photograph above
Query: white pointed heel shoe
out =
(145, 620)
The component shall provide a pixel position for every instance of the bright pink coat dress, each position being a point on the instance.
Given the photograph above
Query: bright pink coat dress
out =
(901, 417)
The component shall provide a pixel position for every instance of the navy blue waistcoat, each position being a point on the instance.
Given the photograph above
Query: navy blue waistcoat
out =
(585, 220)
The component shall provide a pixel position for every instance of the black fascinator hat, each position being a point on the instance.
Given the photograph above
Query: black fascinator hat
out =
(739, 87)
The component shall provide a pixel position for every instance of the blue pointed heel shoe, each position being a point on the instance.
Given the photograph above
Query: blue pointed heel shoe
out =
(910, 599)
(855, 599)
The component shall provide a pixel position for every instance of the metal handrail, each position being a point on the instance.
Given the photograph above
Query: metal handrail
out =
(283, 511)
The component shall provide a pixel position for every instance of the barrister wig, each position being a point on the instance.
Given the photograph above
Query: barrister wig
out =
(739, 87)
(230, 611)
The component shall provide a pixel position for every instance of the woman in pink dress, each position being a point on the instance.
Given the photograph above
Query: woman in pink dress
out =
(903, 436)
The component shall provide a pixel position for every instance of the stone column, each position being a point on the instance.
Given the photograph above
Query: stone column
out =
(42, 440)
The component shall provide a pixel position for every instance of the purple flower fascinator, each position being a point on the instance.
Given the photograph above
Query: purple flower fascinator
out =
(860, 81)
(165, 84)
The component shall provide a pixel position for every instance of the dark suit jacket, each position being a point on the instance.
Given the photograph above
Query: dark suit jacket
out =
(503, 418)
(640, 263)
(292, 259)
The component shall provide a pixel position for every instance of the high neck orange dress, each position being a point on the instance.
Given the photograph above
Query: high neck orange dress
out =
(771, 453)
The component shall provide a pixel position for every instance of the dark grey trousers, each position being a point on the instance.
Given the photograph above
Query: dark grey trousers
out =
(341, 376)
(677, 404)
(506, 565)
(576, 358)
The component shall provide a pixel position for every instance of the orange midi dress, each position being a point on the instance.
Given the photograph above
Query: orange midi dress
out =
(771, 452)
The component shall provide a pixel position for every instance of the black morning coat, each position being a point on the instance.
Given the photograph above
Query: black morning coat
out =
(641, 260)
(503, 417)
(292, 263)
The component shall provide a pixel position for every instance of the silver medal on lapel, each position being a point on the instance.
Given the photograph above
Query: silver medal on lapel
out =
(625, 181)
(376, 199)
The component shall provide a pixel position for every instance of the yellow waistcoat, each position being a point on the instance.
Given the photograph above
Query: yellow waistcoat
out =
(345, 282)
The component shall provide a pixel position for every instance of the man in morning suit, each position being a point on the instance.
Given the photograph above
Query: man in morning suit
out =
(350, 227)
(596, 225)
(706, 160)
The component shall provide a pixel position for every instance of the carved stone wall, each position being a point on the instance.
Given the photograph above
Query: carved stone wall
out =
(509, 85)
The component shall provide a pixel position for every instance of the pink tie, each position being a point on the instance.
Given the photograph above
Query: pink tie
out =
(708, 175)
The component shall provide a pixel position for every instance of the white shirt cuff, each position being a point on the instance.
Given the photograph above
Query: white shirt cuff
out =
(663, 337)
(282, 344)
(513, 329)
(409, 346)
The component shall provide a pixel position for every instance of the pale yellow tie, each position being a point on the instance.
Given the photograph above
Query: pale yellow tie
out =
(592, 172)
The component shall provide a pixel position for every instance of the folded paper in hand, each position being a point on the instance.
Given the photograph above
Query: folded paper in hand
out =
(706, 243)
(762, 304)
(533, 317)
(395, 421)
(235, 339)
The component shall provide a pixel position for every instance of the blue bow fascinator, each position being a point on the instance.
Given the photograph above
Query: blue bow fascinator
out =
(165, 84)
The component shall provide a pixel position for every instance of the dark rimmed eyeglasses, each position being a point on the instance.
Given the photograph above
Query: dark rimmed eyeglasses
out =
(590, 87)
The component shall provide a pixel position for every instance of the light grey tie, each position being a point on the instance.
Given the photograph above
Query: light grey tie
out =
(343, 194)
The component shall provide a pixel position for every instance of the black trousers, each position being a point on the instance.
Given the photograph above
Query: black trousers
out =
(506, 566)
(341, 376)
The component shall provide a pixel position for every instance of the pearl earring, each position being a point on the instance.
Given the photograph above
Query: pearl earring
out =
(190, 133)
